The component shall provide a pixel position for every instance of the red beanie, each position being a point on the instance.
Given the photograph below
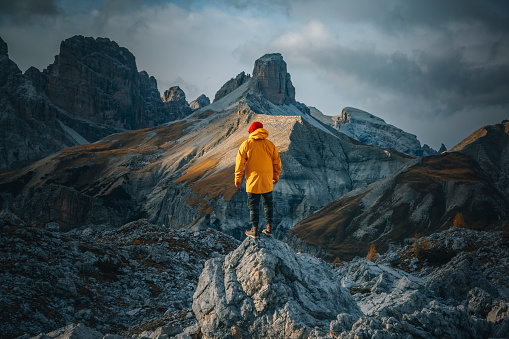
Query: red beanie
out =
(254, 126)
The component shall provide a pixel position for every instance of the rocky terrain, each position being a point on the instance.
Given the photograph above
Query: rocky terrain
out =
(372, 130)
(180, 174)
(124, 281)
(93, 89)
(424, 197)
(452, 284)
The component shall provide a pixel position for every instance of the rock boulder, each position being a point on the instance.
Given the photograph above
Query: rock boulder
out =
(264, 290)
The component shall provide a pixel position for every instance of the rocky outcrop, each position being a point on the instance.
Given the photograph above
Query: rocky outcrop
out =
(264, 290)
(232, 85)
(458, 278)
(200, 102)
(176, 103)
(272, 80)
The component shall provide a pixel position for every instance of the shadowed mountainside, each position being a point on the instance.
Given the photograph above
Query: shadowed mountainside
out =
(423, 198)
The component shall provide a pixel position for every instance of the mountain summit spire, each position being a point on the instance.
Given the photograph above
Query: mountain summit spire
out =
(271, 78)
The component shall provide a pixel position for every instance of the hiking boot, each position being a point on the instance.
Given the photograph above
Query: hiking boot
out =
(268, 230)
(253, 232)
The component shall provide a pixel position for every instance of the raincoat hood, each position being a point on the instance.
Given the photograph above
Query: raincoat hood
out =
(260, 133)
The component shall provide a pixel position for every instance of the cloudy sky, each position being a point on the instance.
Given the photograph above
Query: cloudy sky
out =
(437, 69)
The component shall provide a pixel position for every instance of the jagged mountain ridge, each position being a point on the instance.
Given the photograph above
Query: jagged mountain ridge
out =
(372, 130)
(181, 174)
(424, 197)
(93, 89)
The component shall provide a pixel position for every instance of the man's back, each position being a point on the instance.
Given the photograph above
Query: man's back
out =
(261, 160)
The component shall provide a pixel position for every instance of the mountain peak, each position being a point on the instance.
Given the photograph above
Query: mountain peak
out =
(175, 93)
(270, 78)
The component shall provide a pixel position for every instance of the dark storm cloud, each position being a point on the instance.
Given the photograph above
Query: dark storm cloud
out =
(444, 77)
(402, 16)
(24, 11)
(450, 53)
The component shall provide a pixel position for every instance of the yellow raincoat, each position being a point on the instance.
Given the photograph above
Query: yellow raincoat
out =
(261, 159)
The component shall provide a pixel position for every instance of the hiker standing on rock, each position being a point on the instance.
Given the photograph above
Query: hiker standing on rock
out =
(261, 159)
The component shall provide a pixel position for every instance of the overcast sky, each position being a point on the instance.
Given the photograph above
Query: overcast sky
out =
(438, 69)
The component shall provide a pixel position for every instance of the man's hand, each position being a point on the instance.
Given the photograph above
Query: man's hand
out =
(237, 184)
(274, 181)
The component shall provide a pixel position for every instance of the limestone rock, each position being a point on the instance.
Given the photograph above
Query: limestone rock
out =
(458, 277)
(106, 279)
(372, 130)
(200, 102)
(175, 101)
(479, 301)
(263, 289)
(97, 80)
(270, 77)
(402, 307)
(232, 85)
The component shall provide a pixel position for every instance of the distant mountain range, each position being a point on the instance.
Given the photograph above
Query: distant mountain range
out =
(372, 130)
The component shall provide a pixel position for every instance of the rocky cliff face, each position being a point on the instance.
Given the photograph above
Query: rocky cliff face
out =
(176, 103)
(200, 102)
(232, 85)
(97, 80)
(372, 130)
(264, 290)
(93, 89)
(271, 78)
(424, 197)
(31, 126)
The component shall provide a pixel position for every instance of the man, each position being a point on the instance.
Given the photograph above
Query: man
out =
(261, 159)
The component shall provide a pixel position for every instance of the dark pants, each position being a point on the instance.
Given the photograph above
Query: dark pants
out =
(253, 202)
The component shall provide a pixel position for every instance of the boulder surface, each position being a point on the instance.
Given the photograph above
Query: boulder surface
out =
(265, 290)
